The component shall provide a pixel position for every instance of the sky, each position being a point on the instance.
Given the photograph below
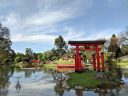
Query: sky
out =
(36, 23)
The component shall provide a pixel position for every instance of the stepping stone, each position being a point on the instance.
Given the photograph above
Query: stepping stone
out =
(101, 75)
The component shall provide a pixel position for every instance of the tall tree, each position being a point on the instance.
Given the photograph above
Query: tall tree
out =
(28, 52)
(60, 44)
(6, 53)
(114, 47)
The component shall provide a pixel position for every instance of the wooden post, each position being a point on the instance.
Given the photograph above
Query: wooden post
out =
(97, 58)
(77, 59)
(94, 61)
(102, 61)
(80, 62)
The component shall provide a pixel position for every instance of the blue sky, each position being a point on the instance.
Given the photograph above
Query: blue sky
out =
(36, 23)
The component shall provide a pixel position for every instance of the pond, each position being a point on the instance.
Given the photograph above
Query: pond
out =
(41, 82)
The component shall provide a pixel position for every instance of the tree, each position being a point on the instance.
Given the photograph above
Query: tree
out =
(19, 57)
(6, 53)
(124, 49)
(54, 54)
(123, 37)
(28, 52)
(60, 44)
(70, 52)
(5, 73)
(126, 34)
(34, 56)
(114, 47)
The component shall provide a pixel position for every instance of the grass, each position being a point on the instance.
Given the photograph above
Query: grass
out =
(83, 79)
(60, 61)
(51, 66)
(123, 65)
(86, 80)
(69, 61)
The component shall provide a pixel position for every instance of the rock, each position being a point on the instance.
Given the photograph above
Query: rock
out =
(79, 87)
(96, 90)
(67, 87)
(101, 75)
(121, 82)
(64, 85)
(114, 91)
(102, 90)
(108, 90)
(86, 70)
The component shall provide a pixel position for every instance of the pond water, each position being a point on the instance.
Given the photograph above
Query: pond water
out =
(40, 82)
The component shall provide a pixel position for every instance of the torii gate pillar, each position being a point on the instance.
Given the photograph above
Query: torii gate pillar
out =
(96, 57)
(78, 59)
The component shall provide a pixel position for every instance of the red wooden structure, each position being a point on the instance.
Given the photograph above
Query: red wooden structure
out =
(98, 59)
(36, 61)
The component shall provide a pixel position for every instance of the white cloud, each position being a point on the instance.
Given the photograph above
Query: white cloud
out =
(48, 18)
(33, 38)
(11, 20)
(40, 25)
(100, 34)
(73, 34)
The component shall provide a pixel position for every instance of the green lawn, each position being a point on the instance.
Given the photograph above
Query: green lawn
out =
(60, 61)
(69, 61)
(87, 80)
(51, 66)
(123, 65)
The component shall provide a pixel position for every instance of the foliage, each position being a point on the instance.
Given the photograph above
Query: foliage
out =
(114, 47)
(6, 53)
(54, 54)
(59, 89)
(123, 37)
(5, 73)
(60, 44)
(49, 55)
(28, 52)
(113, 70)
(18, 57)
(70, 52)
(24, 59)
(69, 61)
(124, 49)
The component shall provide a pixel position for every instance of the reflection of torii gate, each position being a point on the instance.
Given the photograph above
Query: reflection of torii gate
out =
(88, 45)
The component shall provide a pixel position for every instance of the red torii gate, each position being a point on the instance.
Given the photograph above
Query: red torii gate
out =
(89, 45)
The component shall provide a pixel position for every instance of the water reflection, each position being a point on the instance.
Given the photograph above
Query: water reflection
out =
(28, 73)
(59, 89)
(18, 85)
(60, 86)
(79, 92)
(125, 75)
(48, 82)
(5, 73)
